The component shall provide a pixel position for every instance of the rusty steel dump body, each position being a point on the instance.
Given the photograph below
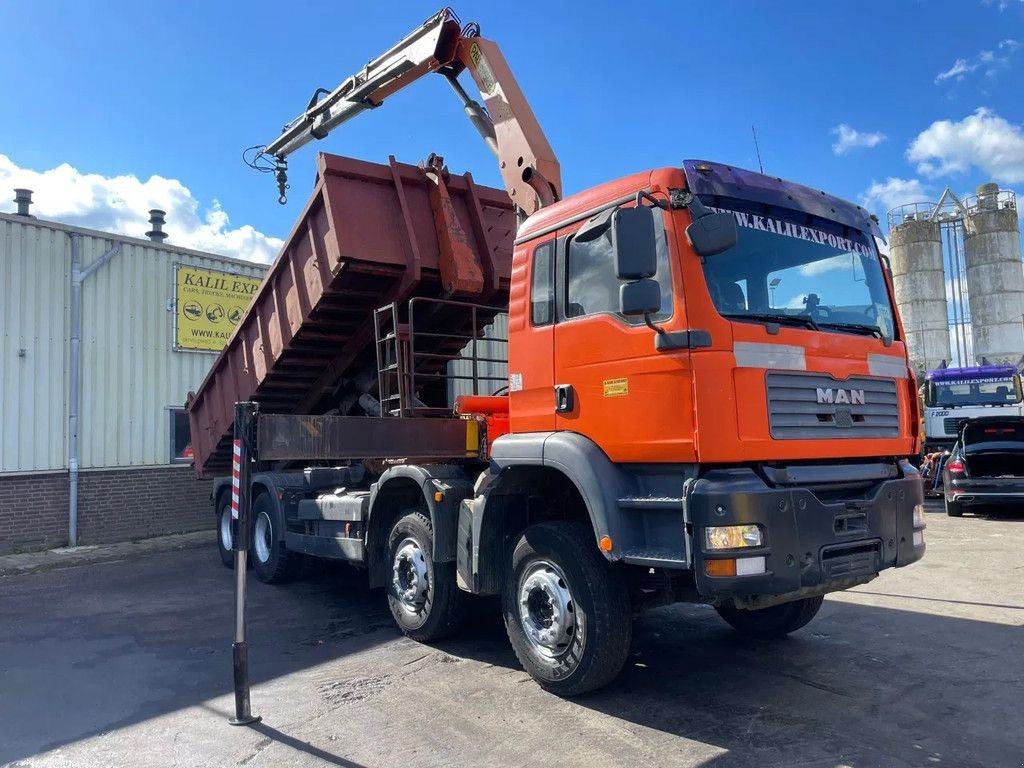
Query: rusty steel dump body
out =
(370, 235)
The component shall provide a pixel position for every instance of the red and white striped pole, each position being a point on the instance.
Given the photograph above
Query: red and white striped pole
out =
(244, 453)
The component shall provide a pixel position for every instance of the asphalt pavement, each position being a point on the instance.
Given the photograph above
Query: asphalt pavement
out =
(128, 662)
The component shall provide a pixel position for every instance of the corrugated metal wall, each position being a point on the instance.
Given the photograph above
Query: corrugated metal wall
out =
(490, 347)
(35, 267)
(131, 376)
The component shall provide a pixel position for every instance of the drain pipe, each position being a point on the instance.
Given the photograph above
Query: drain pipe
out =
(78, 276)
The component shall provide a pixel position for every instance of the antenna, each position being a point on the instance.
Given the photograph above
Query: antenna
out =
(757, 149)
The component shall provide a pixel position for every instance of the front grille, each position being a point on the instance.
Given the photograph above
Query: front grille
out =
(807, 406)
(951, 425)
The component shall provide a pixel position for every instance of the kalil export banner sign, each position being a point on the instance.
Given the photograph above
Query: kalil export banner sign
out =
(208, 305)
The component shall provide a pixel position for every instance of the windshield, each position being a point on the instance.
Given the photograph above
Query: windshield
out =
(994, 390)
(826, 277)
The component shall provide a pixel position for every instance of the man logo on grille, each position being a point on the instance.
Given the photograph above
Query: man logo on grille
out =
(840, 396)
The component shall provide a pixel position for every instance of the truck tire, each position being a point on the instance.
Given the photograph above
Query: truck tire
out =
(271, 560)
(423, 596)
(567, 612)
(225, 531)
(773, 622)
(953, 508)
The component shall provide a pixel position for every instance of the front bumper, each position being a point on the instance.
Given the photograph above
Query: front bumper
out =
(810, 546)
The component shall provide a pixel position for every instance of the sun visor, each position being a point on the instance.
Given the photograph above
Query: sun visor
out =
(707, 178)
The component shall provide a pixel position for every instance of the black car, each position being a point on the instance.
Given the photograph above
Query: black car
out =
(986, 466)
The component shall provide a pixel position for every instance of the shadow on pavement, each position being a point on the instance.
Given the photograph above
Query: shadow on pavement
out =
(860, 686)
(91, 650)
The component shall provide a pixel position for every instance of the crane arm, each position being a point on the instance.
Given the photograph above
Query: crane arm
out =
(528, 165)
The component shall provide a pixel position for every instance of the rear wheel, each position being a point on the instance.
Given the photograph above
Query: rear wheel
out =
(954, 508)
(271, 560)
(772, 622)
(566, 610)
(423, 596)
(225, 531)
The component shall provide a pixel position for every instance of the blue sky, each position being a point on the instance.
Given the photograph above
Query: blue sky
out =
(125, 91)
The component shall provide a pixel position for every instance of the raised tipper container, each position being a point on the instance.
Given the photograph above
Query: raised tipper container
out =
(370, 235)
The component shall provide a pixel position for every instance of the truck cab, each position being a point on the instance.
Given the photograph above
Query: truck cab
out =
(756, 425)
(953, 395)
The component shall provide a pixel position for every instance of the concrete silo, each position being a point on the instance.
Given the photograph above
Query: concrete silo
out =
(995, 277)
(918, 277)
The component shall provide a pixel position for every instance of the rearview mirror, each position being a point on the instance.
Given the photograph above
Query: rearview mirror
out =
(641, 297)
(632, 239)
(634, 244)
(710, 233)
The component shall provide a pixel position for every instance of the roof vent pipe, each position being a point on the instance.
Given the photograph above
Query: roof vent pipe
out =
(23, 197)
(156, 220)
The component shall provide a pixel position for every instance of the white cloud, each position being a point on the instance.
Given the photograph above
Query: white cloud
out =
(840, 261)
(990, 61)
(1003, 4)
(983, 140)
(960, 68)
(121, 204)
(885, 195)
(850, 138)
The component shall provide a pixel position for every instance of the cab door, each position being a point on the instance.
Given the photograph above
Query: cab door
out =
(531, 339)
(611, 383)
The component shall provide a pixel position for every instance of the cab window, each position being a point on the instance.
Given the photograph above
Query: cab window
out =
(591, 284)
(542, 285)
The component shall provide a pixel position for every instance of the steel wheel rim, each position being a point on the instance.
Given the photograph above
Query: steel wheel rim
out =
(547, 610)
(226, 539)
(262, 535)
(410, 577)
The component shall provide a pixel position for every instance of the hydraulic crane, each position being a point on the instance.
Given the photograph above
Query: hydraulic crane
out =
(506, 122)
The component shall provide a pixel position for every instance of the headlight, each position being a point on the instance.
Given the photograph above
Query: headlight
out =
(732, 537)
(919, 515)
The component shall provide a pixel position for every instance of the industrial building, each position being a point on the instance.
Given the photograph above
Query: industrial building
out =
(101, 338)
(959, 279)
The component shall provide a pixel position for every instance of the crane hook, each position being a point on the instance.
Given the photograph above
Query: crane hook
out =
(281, 174)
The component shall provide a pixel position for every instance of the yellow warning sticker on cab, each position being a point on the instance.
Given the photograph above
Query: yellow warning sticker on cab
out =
(616, 387)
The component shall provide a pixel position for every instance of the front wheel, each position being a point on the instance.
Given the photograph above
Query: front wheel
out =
(423, 596)
(566, 610)
(772, 622)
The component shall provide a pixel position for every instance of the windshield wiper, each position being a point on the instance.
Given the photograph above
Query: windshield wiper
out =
(869, 330)
(766, 317)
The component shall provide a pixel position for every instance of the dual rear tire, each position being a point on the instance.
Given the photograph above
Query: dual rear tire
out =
(566, 611)
(423, 596)
(271, 559)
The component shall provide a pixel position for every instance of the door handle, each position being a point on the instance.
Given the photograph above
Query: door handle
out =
(565, 398)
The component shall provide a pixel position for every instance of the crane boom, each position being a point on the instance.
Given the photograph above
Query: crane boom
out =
(528, 165)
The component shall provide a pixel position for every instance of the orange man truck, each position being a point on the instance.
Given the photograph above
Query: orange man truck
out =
(708, 396)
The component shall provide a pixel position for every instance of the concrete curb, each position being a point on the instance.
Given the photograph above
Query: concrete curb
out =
(68, 557)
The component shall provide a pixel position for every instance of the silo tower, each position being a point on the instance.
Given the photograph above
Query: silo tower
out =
(995, 275)
(918, 277)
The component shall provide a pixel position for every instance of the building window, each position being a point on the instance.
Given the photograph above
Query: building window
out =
(181, 438)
